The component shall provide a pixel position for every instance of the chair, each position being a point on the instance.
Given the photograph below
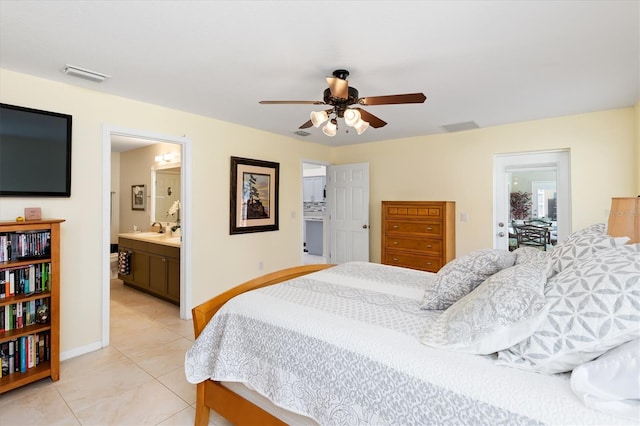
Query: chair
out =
(532, 236)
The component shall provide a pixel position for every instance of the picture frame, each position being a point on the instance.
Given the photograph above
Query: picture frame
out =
(138, 197)
(253, 197)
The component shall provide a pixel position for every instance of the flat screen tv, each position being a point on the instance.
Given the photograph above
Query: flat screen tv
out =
(35, 153)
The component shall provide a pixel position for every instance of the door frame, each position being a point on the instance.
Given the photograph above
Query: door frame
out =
(559, 159)
(185, 249)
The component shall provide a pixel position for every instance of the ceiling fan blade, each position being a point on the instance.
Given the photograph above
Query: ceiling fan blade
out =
(409, 98)
(292, 102)
(374, 121)
(339, 87)
(306, 125)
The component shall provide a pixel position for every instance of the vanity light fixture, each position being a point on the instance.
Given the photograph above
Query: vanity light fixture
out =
(169, 157)
(85, 73)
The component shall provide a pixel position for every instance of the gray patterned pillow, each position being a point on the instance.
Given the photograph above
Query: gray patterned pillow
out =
(594, 306)
(529, 254)
(582, 244)
(460, 276)
(502, 311)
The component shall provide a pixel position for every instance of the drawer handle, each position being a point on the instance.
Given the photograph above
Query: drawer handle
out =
(428, 263)
(428, 245)
(395, 259)
(429, 228)
(395, 226)
(395, 243)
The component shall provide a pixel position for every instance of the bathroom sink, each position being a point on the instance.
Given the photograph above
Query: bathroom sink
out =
(150, 234)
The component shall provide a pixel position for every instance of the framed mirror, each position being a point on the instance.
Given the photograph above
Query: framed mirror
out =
(165, 191)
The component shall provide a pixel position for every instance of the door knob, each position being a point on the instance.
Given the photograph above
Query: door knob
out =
(364, 226)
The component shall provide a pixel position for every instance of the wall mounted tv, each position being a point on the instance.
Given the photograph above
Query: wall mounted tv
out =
(35, 153)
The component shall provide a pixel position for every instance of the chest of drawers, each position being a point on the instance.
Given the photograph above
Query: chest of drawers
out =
(418, 234)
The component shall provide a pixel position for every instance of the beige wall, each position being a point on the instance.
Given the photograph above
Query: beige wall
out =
(456, 166)
(219, 260)
(459, 167)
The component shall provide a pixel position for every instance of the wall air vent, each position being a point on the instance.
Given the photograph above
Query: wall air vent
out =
(458, 127)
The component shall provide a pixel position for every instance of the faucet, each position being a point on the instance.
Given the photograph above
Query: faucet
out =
(161, 231)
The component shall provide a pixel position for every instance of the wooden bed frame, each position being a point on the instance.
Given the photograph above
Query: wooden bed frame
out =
(211, 394)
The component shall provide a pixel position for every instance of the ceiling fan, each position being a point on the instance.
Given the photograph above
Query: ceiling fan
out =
(340, 96)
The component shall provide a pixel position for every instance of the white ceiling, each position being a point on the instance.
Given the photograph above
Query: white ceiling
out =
(490, 62)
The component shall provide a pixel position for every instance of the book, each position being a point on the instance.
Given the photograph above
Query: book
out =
(4, 359)
(23, 354)
(12, 356)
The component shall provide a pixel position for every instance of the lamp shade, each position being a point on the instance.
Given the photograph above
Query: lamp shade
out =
(361, 126)
(330, 128)
(318, 117)
(624, 219)
(351, 117)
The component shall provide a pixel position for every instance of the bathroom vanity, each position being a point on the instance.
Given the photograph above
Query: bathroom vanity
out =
(154, 264)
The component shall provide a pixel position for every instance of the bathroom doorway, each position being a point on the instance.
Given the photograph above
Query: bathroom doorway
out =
(114, 199)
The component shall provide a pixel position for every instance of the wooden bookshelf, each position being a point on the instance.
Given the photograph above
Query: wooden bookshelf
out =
(50, 296)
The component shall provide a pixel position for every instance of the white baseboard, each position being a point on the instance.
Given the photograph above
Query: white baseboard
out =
(80, 351)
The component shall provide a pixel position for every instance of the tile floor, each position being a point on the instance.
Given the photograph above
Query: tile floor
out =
(137, 380)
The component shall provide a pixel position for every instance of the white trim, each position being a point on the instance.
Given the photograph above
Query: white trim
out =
(185, 250)
(82, 350)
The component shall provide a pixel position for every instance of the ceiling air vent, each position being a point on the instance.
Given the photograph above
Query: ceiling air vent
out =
(301, 133)
(458, 127)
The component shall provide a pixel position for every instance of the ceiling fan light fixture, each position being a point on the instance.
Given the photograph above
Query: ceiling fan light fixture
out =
(318, 117)
(361, 126)
(351, 117)
(331, 128)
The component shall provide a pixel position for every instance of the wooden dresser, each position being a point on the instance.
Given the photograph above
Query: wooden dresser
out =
(418, 234)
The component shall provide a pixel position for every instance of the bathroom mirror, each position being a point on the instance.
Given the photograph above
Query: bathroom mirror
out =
(165, 190)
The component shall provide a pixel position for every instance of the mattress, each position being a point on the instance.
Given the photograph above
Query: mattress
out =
(341, 346)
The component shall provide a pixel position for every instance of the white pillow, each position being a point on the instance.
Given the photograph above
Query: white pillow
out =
(499, 313)
(582, 244)
(460, 276)
(593, 307)
(611, 383)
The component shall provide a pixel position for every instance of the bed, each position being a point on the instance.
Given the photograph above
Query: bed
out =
(355, 344)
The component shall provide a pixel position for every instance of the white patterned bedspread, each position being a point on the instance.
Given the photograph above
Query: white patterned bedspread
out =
(341, 347)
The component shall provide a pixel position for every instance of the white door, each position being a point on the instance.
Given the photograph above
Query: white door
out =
(505, 165)
(348, 203)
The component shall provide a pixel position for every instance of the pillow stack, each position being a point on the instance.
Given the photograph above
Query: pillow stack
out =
(542, 311)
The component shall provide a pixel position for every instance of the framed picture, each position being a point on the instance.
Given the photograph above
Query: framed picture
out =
(254, 196)
(138, 197)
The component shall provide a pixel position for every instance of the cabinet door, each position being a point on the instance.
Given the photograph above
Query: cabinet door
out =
(140, 268)
(307, 189)
(173, 279)
(158, 274)
(318, 188)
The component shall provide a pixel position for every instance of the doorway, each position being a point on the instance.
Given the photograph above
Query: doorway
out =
(315, 220)
(531, 188)
(141, 138)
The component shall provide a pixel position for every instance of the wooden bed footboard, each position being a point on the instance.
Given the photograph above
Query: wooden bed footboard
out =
(212, 395)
